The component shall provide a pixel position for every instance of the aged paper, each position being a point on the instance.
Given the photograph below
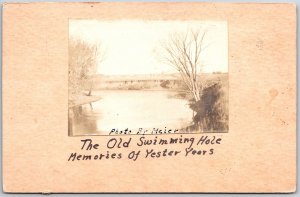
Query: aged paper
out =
(149, 97)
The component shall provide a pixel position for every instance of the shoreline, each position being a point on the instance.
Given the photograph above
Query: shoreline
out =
(83, 99)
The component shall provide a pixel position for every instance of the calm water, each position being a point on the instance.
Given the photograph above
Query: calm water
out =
(131, 109)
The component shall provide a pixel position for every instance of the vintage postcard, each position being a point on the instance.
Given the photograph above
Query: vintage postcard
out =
(149, 97)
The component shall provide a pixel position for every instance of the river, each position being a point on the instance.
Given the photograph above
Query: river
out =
(133, 109)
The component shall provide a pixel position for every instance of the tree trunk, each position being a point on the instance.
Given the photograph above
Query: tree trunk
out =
(90, 90)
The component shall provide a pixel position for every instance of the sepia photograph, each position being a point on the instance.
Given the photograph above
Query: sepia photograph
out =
(147, 77)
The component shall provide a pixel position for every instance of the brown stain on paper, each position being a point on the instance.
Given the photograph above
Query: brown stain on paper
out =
(273, 94)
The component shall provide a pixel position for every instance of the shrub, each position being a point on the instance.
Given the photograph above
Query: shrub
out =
(165, 84)
(211, 110)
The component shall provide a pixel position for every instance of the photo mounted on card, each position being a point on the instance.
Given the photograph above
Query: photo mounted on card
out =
(147, 77)
(149, 97)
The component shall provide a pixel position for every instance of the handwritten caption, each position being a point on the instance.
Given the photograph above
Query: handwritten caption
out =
(145, 147)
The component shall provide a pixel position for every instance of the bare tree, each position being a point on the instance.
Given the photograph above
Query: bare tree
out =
(83, 59)
(182, 52)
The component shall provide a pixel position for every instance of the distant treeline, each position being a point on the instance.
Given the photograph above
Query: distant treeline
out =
(152, 84)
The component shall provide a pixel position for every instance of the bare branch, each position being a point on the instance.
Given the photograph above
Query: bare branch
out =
(83, 60)
(182, 52)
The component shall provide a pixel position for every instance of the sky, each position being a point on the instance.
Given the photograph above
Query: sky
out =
(131, 46)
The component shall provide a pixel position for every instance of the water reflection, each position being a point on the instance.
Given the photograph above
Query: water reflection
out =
(130, 109)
